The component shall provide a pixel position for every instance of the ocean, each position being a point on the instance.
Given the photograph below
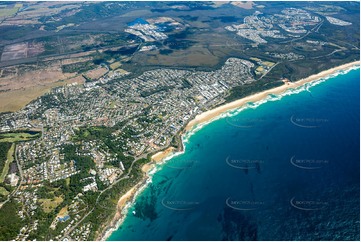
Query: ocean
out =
(286, 168)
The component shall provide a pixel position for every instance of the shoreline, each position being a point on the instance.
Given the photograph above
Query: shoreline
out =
(128, 198)
(158, 158)
(208, 116)
(213, 113)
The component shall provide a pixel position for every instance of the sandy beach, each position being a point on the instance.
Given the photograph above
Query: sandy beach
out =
(118, 217)
(157, 158)
(129, 196)
(202, 118)
(211, 114)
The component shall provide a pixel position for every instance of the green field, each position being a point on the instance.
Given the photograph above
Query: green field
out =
(18, 136)
(49, 205)
(4, 148)
(3, 191)
(10, 158)
(115, 65)
(6, 12)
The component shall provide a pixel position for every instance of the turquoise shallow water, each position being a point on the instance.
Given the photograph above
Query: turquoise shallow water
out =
(284, 170)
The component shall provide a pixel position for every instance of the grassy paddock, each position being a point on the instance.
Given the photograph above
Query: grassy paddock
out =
(3, 191)
(49, 205)
(10, 158)
(18, 136)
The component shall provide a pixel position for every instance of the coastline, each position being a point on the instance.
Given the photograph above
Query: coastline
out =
(128, 198)
(211, 114)
(208, 116)
(158, 158)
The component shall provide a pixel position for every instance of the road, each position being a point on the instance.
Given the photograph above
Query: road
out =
(309, 32)
(268, 71)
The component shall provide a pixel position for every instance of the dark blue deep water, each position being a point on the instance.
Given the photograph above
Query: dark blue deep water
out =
(285, 170)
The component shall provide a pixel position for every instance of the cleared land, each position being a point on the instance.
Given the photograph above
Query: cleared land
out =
(21, 50)
(3, 191)
(34, 11)
(49, 205)
(7, 12)
(63, 212)
(10, 158)
(16, 137)
(115, 65)
(19, 86)
(96, 73)
(15, 51)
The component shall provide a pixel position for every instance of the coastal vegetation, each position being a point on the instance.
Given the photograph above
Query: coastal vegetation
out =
(249, 89)
(104, 211)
